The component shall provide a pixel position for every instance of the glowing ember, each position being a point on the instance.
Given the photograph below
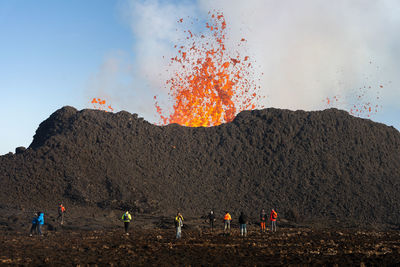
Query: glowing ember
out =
(100, 104)
(361, 105)
(210, 84)
(364, 101)
(331, 101)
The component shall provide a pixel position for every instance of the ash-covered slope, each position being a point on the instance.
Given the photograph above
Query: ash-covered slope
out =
(311, 166)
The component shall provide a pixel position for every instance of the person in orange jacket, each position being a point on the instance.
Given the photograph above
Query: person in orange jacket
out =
(61, 212)
(272, 218)
(227, 222)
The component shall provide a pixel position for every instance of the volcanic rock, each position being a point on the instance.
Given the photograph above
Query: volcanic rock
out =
(323, 167)
(20, 150)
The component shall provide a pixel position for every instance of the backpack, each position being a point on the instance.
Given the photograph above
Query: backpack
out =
(125, 217)
(177, 221)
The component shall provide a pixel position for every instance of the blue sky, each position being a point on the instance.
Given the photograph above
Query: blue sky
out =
(48, 51)
(57, 53)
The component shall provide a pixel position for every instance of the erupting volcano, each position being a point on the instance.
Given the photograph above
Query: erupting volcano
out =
(210, 83)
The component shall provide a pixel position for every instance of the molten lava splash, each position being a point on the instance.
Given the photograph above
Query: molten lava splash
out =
(210, 84)
(100, 104)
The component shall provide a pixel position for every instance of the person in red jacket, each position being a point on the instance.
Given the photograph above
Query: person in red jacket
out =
(61, 212)
(272, 218)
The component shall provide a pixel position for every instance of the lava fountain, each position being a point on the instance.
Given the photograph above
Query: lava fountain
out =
(210, 83)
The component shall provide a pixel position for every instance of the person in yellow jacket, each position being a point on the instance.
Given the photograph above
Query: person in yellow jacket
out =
(227, 222)
(126, 218)
(178, 225)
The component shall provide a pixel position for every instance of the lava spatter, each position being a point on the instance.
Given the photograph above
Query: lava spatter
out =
(100, 104)
(210, 84)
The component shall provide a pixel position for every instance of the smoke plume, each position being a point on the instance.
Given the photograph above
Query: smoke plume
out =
(306, 50)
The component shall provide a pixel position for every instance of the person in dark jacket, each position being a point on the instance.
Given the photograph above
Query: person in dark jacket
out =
(263, 219)
(40, 222)
(211, 219)
(34, 224)
(243, 223)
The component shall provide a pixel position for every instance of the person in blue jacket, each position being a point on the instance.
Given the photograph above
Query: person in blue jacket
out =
(34, 224)
(40, 222)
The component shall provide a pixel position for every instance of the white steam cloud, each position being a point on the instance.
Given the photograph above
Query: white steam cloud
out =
(310, 50)
(307, 50)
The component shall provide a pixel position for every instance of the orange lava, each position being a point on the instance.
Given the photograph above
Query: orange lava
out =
(210, 84)
(100, 104)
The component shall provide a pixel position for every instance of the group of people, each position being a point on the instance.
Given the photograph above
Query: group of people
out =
(243, 221)
(38, 220)
(127, 217)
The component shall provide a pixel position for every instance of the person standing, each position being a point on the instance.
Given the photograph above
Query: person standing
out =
(243, 223)
(126, 218)
(40, 222)
(263, 218)
(211, 219)
(34, 224)
(227, 222)
(273, 217)
(178, 225)
(61, 211)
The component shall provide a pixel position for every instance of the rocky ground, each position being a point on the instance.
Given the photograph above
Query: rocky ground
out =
(157, 247)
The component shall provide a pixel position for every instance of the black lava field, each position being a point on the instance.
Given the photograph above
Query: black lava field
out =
(319, 168)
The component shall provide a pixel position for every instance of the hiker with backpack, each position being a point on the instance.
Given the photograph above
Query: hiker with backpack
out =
(178, 225)
(126, 218)
(227, 222)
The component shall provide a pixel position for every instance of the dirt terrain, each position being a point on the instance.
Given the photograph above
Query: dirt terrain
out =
(158, 247)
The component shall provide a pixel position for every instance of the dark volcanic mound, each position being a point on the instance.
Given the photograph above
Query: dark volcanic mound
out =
(323, 166)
